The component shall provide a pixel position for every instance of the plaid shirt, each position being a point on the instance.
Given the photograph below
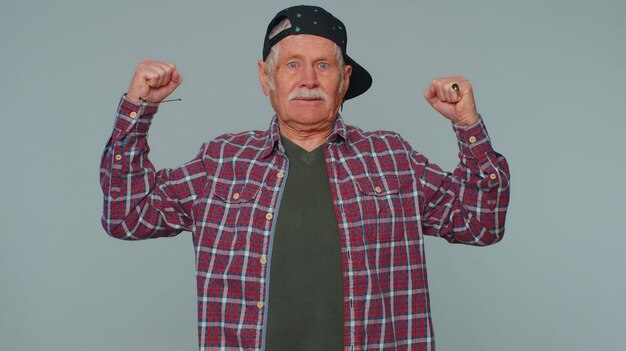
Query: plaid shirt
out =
(386, 198)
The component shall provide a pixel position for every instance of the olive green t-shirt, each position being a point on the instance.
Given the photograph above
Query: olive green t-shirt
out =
(305, 309)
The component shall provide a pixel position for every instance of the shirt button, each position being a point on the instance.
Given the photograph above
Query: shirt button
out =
(118, 157)
(493, 176)
(280, 175)
(259, 304)
(378, 189)
(472, 139)
(133, 115)
(269, 216)
(236, 196)
(263, 259)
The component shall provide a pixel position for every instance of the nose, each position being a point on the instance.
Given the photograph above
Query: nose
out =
(309, 77)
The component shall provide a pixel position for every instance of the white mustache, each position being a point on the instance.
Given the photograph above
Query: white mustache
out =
(304, 93)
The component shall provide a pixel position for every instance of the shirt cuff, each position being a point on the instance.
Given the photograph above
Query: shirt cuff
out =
(131, 115)
(473, 139)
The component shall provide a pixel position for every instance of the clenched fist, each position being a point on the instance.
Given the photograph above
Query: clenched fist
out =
(457, 106)
(153, 81)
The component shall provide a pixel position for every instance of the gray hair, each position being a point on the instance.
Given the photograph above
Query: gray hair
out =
(272, 57)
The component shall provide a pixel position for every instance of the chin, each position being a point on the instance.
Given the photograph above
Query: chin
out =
(311, 114)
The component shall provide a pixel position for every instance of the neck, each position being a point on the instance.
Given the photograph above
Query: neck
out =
(307, 139)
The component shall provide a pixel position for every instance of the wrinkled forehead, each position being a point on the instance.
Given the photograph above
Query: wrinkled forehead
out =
(307, 44)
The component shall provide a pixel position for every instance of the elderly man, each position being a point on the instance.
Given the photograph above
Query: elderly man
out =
(308, 236)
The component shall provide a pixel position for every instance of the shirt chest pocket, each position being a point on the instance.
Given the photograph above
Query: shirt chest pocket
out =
(237, 193)
(381, 208)
(230, 214)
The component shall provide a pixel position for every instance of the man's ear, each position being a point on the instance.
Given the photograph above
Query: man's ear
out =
(264, 78)
(347, 71)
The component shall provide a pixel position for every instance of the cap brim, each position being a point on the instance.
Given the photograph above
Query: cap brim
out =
(360, 79)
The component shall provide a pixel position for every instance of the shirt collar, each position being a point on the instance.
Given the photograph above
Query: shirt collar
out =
(340, 133)
(273, 138)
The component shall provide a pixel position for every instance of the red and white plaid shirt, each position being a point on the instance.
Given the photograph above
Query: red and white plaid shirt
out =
(386, 198)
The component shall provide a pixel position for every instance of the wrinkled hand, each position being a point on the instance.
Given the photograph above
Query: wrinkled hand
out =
(153, 81)
(459, 107)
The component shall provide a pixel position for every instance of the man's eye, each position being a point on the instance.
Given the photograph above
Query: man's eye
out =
(324, 65)
(292, 64)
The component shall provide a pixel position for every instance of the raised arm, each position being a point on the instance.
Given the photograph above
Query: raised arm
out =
(468, 205)
(140, 202)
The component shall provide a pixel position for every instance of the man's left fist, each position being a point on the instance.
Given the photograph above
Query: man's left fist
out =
(457, 106)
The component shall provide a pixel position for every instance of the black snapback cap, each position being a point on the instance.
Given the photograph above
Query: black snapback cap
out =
(317, 21)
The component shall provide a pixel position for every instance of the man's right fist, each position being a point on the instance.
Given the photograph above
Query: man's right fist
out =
(153, 81)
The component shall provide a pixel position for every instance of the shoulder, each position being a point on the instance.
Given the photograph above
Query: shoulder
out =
(247, 144)
(376, 140)
(384, 143)
(251, 137)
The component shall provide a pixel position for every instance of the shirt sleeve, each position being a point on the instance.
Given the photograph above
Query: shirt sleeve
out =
(468, 205)
(140, 202)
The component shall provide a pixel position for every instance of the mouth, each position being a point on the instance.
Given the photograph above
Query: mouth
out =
(308, 99)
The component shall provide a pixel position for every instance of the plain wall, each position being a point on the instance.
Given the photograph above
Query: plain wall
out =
(549, 79)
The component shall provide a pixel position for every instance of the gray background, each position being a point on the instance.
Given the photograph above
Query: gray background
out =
(550, 81)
